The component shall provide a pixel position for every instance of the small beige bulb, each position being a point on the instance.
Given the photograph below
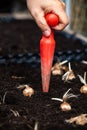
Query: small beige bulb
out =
(83, 89)
(28, 91)
(78, 120)
(57, 72)
(69, 75)
(65, 106)
(58, 68)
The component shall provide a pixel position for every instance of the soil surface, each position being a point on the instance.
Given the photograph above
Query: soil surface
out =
(23, 36)
(39, 107)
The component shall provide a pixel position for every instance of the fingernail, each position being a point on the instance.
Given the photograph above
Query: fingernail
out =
(46, 33)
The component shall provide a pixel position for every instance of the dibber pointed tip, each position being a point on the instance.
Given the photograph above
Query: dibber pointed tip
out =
(45, 83)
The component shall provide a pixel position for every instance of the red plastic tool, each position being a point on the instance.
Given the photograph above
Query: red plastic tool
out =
(47, 47)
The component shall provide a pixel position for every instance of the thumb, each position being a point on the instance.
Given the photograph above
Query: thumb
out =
(41, 22)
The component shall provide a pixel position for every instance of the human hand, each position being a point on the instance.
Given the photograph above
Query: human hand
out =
(38, 9)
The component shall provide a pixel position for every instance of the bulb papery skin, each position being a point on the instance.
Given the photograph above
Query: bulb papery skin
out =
(83, 89)
(65, 106)
(71, 76)
(28, 91)
(57, 72)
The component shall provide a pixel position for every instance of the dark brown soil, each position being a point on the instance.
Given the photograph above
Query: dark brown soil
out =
(23, 37)
(39, 107)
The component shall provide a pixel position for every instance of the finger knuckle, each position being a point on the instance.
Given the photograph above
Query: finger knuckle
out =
(34, 13)
(66, 22)
(40, 22)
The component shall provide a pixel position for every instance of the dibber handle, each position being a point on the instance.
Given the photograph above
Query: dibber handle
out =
(52, 19)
